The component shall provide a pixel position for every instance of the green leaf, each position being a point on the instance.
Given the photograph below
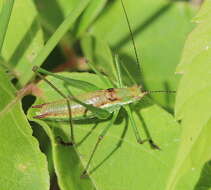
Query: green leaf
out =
(193, 108)
(23, 166)
(66, 161)
(159, 44)
(4, 19)
(198, 40)
(130, 166)
(205, 177)
(194, 149)
(23, 40)
(196, 79)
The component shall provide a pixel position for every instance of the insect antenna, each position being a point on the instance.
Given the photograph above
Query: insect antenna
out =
(136, 54)
(132, 37)
(159, 91)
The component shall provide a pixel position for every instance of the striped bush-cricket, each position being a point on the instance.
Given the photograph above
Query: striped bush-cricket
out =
(99, 103)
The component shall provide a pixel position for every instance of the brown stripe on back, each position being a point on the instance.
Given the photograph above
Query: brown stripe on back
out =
(40, 105)
(42, 116)
(111, 94)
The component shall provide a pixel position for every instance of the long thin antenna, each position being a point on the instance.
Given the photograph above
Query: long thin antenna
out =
(159, 91)
(136, 54)
(131, 34)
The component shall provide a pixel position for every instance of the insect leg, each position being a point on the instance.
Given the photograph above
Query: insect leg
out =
(68, 105)
(100, 137)
(135, 130)
(83, 85)
(118, 71)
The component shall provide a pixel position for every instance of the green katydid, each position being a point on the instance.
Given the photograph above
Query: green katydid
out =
(101, 103)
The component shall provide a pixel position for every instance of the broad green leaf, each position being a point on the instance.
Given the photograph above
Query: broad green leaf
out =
(194, 149)
(23, 166)
(159, 44)
(193, 108)
(204, 13)
(205, 177)
(199, 39)
(23, 40)
(129, 166)
(195, 170)
(196, 79)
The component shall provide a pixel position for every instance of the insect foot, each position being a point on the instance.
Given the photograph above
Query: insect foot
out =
(141, 141)
(60, 141)
(84, 174)
(35, 68)
(153, 145)
(151, 142)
